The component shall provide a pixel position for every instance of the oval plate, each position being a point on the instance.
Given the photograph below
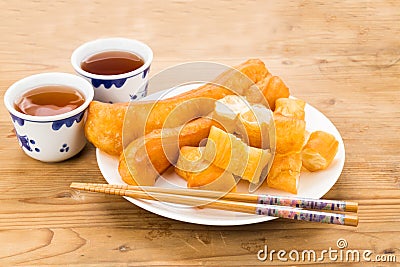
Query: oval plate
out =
(311, 184)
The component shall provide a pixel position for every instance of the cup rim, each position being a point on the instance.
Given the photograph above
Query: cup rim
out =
(86, 90)
(78, 69)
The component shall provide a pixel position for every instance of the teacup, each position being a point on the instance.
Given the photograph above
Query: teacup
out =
(119, 87)
(49, 138)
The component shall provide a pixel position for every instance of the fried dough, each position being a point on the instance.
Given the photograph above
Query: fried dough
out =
(285, 172)
(272, 88)
(319, 151)
(257, 126)
(289, 134)
(104, 122)
(103, 127)
(150, 155)
(275, 89)
(230, 153)
(201, 174)
(293, 108)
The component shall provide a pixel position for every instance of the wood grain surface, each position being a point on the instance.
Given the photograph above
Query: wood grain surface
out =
(343, 57)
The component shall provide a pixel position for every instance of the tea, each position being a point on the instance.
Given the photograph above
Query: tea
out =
(112, 63)
(49, 100)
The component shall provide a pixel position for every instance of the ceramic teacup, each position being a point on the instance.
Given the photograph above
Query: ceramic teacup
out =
(49, 138)
(120, 87)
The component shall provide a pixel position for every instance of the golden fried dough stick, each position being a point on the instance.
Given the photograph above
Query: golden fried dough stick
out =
(285, 172)
(103, 127)
(230, 153)
(106, 133)
(272, 88)
(288, 107)
(319, 151)
(289, 134)
(232, 81)
(146, 156)
(201, 174)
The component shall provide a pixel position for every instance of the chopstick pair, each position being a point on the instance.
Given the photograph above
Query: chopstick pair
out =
(302, 209)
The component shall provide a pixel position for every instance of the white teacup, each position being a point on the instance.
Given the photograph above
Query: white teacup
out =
(121, 87)
(50, 138)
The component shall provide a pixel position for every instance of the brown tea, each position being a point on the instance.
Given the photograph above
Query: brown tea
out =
(112, 63)
(49, 100)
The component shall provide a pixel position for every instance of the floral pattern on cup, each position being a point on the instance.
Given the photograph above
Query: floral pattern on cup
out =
(20, 121)
(27, 143)
(108, 83)
(64, 148)
(138, 95)
(56, 125)
(68, 121)
(145, 72)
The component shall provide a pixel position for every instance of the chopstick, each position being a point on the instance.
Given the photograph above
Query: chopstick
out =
(295, 202)
(287, 212)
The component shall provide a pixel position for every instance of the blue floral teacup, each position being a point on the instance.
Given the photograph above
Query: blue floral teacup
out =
(120, 87)
(49, 138)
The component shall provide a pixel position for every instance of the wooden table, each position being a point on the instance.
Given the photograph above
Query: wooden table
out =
(341, 57)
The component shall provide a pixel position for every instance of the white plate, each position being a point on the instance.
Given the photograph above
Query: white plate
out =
(312, 185)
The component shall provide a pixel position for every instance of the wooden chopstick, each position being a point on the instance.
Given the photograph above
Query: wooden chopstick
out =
(295, 202)
(260, 209)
